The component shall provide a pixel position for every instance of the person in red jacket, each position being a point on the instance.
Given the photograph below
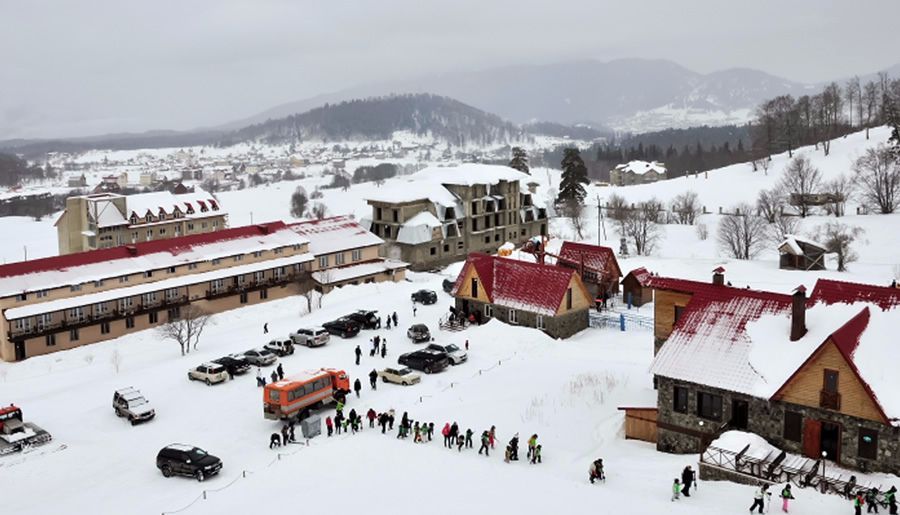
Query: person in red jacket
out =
(371, 416)
(446, 432)
(329, 425)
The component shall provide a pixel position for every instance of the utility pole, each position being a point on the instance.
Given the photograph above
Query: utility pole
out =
(600, 221)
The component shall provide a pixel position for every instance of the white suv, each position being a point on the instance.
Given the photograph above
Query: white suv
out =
(456, 354)
(311, 337)
(209, 373)
(129, 403)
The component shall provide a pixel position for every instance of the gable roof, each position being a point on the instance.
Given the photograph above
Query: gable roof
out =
(334, 234)
(793, 244)
(642, 275)
(519, 284)
(595, 258)
(830, 291)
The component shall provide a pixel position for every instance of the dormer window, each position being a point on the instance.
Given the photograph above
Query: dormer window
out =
(148, 218)
(162, 214)
(134, 219)
(203, 207)
(176, 213)
(190, 209)
(214, 205)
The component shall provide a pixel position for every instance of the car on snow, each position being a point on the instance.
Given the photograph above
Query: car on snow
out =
(209, 373)
(424, 297)
(447, 285)
(234, 365)
(131, 404)
(280, 347)
(311, 337)
(399, 375)
(455, 354)
(428, 361)
(343, 327)
(259, 357)
(365, 319)
(186, 460)
(418, 333)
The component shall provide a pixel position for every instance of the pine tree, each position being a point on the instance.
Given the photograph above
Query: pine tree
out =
(893, 119)
(519, 160)
(573, 176)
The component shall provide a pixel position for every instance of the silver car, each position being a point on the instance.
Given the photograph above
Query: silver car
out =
(311, 336)
(260, 357)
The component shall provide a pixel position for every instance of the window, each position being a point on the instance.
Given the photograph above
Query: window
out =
(162, 231)
(474, 287)
(98, 283)
(339, 258)
(75, 287)
(709, 406)
(277, 251)
(793, 426)
(474, 225)
(387, 231)
(192, 266)
(432, 251)
(153, 317)
(240, 280)
(569, 298)
(216, 285)
(215, 224)
(134, 236)
(125, 304)
(497, 237)
(257, 253)
(323, 261)
(474, 207)
(203, 225)
(378, 213)
(830, 381)
(263, 294)
(123, 278)
(356, 255)
(104, 328)
(171, 270)
(396, 215)
(279, 273)
(44, 320)
(100, 308)
(148, 274)
(540, 321)
(129, 323)
(22, 296)
(487, 239)
(174, 313)
(149, 298)
(678, 311)
(23, 324)
(149, 234)
(446, 247)
(867, 447)
(216, 261)
(73, 335)
(76, 314)
(171, 293)
(488, 311)
(50, 340)
(190, 227)
(512, 318)
(40, 294)
(243, 297)
(259, 276)
(460, 245)
(680, 399)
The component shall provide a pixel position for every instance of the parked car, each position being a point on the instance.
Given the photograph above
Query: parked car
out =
(235, 365)
(311, 337)
(131, 404)
(365, 319)
(186, 460)
(424, 297)
(343, 327)
(399, 375)
(209, 373)
(418, 333)
(259, 357)
(455, 354)
(428, 361)
(280, 347)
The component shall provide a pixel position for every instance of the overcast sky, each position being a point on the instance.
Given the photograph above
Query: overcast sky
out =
(82, 67)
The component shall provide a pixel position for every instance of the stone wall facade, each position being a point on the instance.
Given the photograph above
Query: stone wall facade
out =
(561, 326)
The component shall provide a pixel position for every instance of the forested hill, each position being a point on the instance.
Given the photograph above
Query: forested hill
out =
(377, 118)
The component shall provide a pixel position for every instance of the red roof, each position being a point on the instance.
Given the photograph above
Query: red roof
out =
(847, 337)
(642, 275)
(830, 291)
(596, 259)
(519, 284)
(172, 245)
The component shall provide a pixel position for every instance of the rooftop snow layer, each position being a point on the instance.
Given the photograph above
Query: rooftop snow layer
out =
(335, 234)
(642, 167)
(346, 273)
(469, 174)
(418, 229)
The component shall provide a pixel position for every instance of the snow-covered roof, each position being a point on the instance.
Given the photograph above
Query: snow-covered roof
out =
(335, 234)
(346, 273)
(469, 174)
(108, 215)
(83, 267)
(642, 167)
(202, 203)
(155, 286)
(791, 244)
(412, 191)
(418, 229)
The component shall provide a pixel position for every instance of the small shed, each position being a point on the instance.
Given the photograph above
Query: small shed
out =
(798, 253)
(640, 423)
(635, 286)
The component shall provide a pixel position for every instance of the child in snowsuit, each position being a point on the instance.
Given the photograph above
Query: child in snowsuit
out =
(536, 454)
(417, 431)
(890, 498)
(532, 442)
(676, 489)
(345, 424)
(460, 442)
(492, 434)
(275, 440)
(759, 498)
(485, 443)
(469, 434)
(786, 497)
(446, 433)
(858, 502)
(329, 425)
(872, 500)
(430, 430)
(596, 471)
(508, 455)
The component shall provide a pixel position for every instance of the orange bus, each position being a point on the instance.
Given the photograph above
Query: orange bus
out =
(294, 396)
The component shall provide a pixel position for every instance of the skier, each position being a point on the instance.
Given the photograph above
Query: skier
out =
(358, 353)
(357, 386)
(532, 442)
(759, 498)
(786, 497)
(430, 430)
(890, 498)
(514, 444)
(872, 500)
(596, 471)
(280, 372)
(687, 479)
(329, 425)
(492, 434)
(395, 318)
(460, 442)
(858, 502)
(371, 415)
(676, 490)
(469, 434)
(373, 379)
(536, 454)
(446, 433)
(485, 443)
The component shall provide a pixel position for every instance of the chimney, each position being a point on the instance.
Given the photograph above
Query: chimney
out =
(719, 276)
(798, 313)
(132, 250)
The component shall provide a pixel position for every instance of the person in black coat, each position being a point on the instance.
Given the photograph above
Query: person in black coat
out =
(358, 353)
(373, 379)
(687, 479)
(357, 386)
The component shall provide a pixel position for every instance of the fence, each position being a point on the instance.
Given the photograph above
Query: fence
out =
(619, 320)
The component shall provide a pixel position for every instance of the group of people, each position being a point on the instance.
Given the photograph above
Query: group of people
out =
(682, 486)
(277, 375)
(285, 437)
(379, 346)
(869, 498)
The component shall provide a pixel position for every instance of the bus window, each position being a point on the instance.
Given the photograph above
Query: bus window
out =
(274, 395)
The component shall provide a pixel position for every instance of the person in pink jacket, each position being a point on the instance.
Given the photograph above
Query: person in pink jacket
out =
(446, 432)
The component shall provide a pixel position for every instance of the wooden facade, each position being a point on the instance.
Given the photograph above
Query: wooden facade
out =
(667, 307)
(640, 423)
(638, 293)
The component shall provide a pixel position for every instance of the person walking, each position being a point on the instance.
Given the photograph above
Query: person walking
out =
(358, 353)
(395, 318)
(687, 479)
(357, 386)
(291, 433)
(872, 500)
(890, 498)
(383, 349)
(284, 434)
(388, 322)
(469, 434)
(260, 378)
(514, 444)
(280, 372)
(676, 490)
(467, 345)
(329, 426)
(338, 421)
(371, 415)
(485, 443)
(786, 497)
(373, 379)
(858, 502)
(446, 433)
(492, 434)
(536, 455)
(460, 442)
(391, 419)
(274, 376)
(266, 328)
(430, 430)
(532, 443)
(414, 309)
(759, 498)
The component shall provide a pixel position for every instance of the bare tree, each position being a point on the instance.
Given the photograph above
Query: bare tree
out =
(299, 202)
(319, 210)
(762, 163)
(617, 207)
(786, 120)
(770, 204)
(574, 211)
(877, 175)
(686, 207)
(742, 236)
(801, 179)
(783, 226)
(851, 93)
(640, 225)
(838, 238)
(186, 328)
(870, 99)
(702, 232)
(841, 188)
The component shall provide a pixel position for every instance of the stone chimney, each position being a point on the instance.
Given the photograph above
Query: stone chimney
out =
(798, 313)
(719, 276)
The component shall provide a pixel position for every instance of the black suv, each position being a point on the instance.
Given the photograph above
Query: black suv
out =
(427, 361)
(418, 333)
(424, 297)
(187, 460)
(343, 327)
(365, 319)
(235, 366)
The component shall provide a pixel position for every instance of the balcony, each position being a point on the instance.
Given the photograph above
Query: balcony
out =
(235, 289)
(829, 400)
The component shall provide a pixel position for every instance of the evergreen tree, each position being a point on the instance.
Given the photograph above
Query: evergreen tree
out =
(519, 160)
(893, 119)
(573, 176)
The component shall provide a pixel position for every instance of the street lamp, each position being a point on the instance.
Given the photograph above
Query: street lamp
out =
(824, 483)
